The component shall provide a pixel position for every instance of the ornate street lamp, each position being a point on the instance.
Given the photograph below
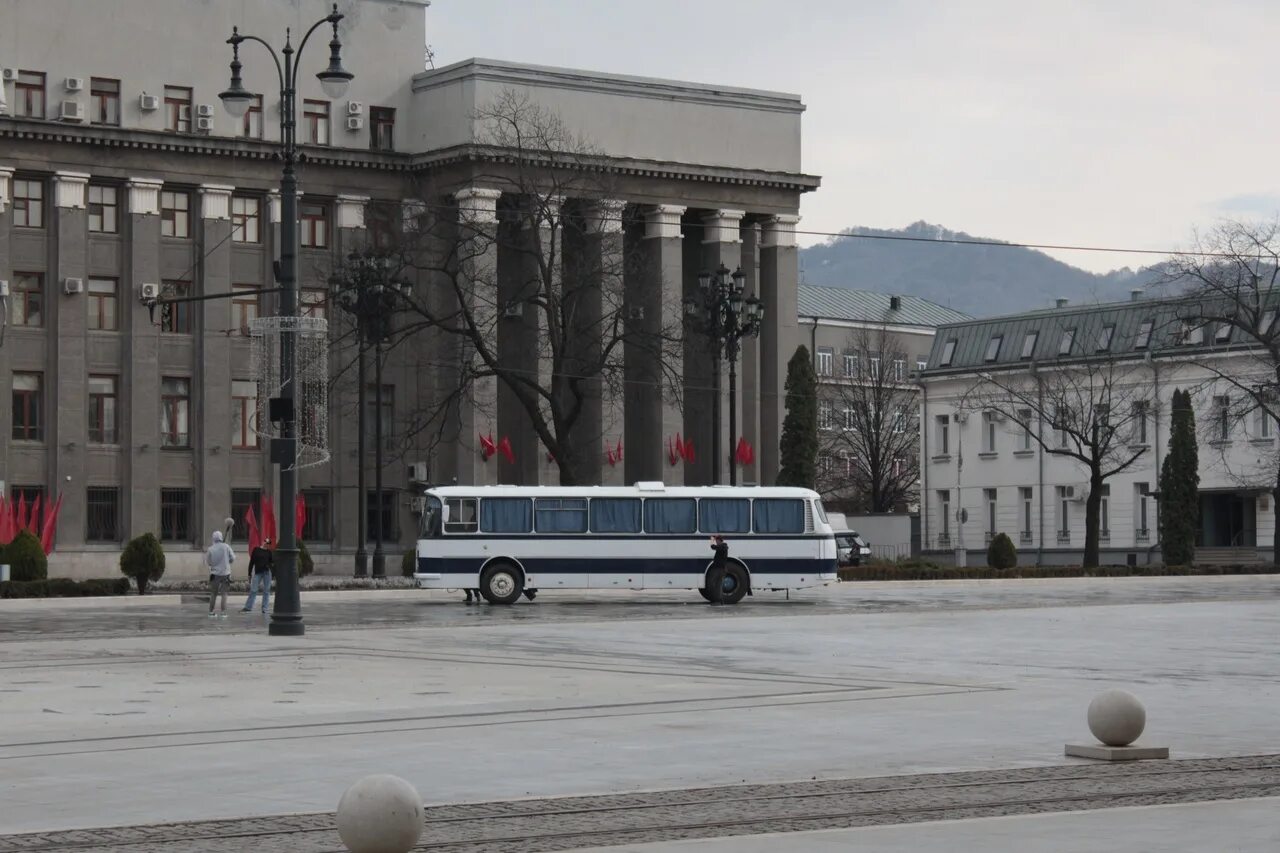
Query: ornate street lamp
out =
(286, 616)
(720, 312)
(369, 289)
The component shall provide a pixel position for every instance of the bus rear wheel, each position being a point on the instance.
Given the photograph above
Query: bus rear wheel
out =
(501, 584)
(735, 585)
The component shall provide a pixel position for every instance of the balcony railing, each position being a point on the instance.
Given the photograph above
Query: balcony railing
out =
(1142, 535)
(1024, 537)
(1064, 537)
(175, 439)
(944, 540)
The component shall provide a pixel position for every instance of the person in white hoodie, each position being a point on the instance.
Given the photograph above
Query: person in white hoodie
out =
(219, 558)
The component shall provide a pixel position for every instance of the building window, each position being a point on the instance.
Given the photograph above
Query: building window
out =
(246, 304)
(246, 219)
(104, 100)
(176, 318)
(244, 414)
(102, 210)
(944, 434)
(1068, 339)
(989, 420)
(993, 347)
(1064, 513)
(1025, 495)
(921, 364)
(318, 526)
(315, 122)
(1142, 508)
(1024, 417)
(315, 226)
(102, 522)
(1144, 335)
(899, 369)
(850, 364)
(28, 203)
(1029, 344)
(381, 219)
(1222, 414)
(1192, 333)
(28, 406)
(243, 500)
(252, 128)
(175, 411)
(948, 353)
(1140, 411)
(990, 496)
(1104, 514)
(825, 357)
(382, 126)
(103, 398)
(1105, 336)
(1262, 421)
(175, 214)
(944, 510)
(28, 299)
(313, 302)
(31, 494)
(175, 515)
(826, 414)
(900, 420)
(102, 302)
(388, 412)
(28, 94)
(1223, 333)
(873, 367)
(177, 108)
(390, 529)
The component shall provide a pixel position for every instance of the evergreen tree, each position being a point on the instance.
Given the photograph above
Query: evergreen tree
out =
(798, 448)
(1179, 486)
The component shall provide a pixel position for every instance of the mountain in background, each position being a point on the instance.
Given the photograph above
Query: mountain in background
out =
(978, 280)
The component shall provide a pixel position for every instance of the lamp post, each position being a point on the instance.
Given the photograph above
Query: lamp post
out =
(369, 289)
(286, 616)
(720, 312)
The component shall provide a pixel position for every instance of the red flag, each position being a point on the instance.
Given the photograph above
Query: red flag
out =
(34, 521)
(672, 457)
(609, 457)
(22, 512)
(268, 521)
(300, 513)
(48, 535)
(688, 453)
(680, 451)
(251, 524)
(487, 447)
(504, 447)
(6, 514)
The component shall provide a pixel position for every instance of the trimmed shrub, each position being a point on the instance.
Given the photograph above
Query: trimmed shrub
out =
(409, 563)
(26, 558)
(64, 587)
(1000, 553)
(143, 560)
(305, 564)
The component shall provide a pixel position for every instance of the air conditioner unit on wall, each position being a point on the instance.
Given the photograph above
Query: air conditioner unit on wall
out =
(148, 291)
(73, 84)
(354, 122)
(204, 125)
(10, 74)
(72, 286)
(205, 110)
(354, 108)
(147, 103)
(71, 111)
(418, 472)
(4, 287)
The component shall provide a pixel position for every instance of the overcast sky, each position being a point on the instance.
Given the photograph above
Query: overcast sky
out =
(1096, 123)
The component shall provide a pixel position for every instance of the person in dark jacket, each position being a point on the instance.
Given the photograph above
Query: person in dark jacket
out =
(719, 564)
(261, 563)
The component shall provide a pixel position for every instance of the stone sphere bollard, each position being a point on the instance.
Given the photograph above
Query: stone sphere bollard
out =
(380, 814)
(1116, 717)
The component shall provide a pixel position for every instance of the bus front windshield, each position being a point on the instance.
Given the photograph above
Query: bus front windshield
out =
(432, 523)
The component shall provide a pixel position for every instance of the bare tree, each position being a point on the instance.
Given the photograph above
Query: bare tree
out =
(1230, 284)
(537, 300)
(872, 431)
(1088, 410)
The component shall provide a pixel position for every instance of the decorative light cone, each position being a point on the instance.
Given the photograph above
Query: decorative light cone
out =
(380, 814)
(1116, 717)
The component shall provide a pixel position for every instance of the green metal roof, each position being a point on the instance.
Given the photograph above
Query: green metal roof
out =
(841, 303)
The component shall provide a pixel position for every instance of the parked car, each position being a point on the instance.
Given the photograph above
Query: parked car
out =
(851, 549)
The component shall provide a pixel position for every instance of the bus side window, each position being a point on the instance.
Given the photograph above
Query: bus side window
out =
(462, 516)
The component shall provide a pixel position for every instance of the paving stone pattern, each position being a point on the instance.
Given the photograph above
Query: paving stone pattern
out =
(567, 823)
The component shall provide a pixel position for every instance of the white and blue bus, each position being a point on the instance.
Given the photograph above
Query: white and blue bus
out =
(509, 540)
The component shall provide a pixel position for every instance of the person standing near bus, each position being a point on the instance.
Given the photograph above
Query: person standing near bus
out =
(719, 564)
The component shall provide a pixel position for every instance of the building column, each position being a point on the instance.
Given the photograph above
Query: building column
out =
(749, 389)
(211, 392)
(655, 315)
(605, 418)
(140, 382)
(343, 471)
(67, 384)
(706, 394)
(477, 247)
(780, 334)
(6, 353)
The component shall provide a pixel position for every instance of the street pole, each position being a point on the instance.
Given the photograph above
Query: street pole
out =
(733, 412)
(379, 558)
(362, 517)
(715, 419)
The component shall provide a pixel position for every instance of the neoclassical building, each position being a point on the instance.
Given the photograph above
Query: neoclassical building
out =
(119, 171)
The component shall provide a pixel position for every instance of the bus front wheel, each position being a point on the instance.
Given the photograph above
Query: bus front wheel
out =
(501, 584)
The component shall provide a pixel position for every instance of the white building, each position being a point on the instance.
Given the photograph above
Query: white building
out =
(988, 440)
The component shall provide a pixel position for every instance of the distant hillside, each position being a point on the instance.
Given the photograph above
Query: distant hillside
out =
(979, 280)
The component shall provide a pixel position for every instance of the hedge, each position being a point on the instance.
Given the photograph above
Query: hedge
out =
(64, 588)
(923, 570)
